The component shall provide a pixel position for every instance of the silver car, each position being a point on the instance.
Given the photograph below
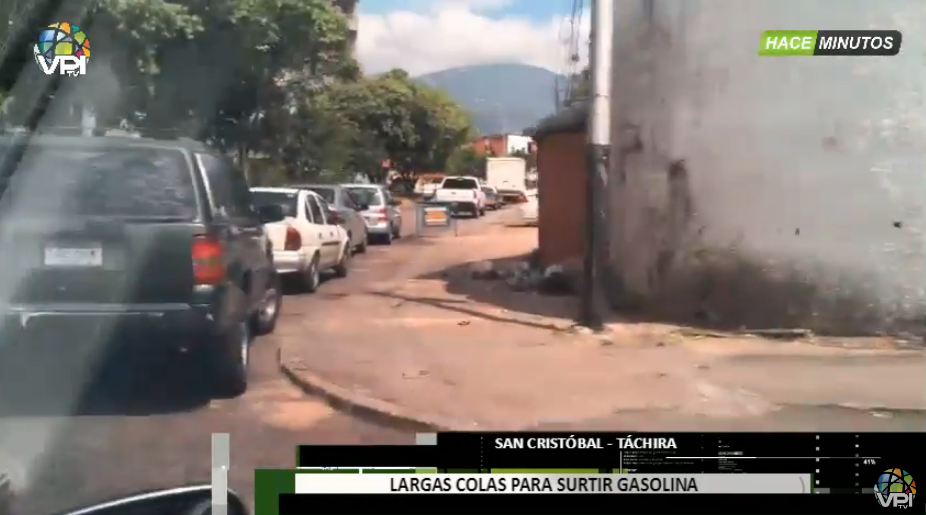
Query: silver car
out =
(338, 198)
(383, 214)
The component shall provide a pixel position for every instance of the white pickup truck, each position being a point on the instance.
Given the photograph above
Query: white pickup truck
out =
(462, 194)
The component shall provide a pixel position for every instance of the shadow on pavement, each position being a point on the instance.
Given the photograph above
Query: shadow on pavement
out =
(167, 389)
(770, 321)
(498, 292)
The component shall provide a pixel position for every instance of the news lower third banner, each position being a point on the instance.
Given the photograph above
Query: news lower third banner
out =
(830, 43)
(418, 491)
(553, 483)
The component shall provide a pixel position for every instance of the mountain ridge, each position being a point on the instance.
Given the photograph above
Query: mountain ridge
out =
(502, 98)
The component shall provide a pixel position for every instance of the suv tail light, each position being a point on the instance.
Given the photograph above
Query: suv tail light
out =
(207, 255)
(293, 239)
(522, 198)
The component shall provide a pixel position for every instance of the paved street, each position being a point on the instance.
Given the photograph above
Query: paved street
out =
(75, 459)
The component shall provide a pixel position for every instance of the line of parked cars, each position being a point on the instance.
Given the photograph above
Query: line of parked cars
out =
(324, 225)
(469, 195)
(118, 250)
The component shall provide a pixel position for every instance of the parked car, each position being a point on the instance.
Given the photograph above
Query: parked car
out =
(462, 195)
(426, 186)
(309, 241)
(528, 211)
(337, 197)
(493, 201)
(136, 248)
(383, 214)
(513, 196)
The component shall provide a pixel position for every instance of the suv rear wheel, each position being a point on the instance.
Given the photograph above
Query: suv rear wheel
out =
(228, 362)
(264, 321)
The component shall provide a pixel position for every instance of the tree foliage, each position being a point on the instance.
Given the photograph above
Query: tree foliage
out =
(268, 78)
(467, 161)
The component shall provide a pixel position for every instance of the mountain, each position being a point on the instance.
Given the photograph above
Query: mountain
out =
(502, 98)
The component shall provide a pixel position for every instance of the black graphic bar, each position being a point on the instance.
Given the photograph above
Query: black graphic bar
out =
(577, 504)
(858, 42)
(837, 460)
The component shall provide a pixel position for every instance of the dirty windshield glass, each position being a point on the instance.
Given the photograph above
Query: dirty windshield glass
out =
(732, 240)
(288, 201)
(368, 196)
(112, 182)
(459, 184)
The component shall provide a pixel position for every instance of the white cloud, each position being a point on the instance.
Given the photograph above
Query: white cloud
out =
(459, 33)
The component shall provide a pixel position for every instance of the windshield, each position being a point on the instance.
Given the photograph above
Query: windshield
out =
(289, 201)
(459, 184)
(733, 239)
(326, 193)
(111, 182)
(372, 197)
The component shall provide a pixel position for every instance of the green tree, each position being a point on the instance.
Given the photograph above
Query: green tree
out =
(467, 161)
(415, 127)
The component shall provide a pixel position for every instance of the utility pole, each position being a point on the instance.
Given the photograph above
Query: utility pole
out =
(594, 301)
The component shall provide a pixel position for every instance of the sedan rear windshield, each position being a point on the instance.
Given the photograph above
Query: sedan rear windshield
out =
(369, 196)
(124, 182)
(288, 201)
(459, 184)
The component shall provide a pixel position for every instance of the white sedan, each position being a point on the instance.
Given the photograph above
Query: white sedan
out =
(309, 240)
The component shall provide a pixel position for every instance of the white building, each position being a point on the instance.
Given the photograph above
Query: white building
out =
(769, 191)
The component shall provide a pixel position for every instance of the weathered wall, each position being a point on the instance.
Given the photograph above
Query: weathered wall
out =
(765, 191)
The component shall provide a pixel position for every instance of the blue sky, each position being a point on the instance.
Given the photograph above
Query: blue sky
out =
(537, 10)
(422, 36)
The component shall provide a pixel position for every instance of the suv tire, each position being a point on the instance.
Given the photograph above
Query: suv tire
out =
(264, 321)
(228, 362)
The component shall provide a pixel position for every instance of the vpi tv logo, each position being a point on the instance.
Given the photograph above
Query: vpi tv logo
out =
(62, 48)
(895, 487)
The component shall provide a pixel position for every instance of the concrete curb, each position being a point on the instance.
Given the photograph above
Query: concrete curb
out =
(369, 408)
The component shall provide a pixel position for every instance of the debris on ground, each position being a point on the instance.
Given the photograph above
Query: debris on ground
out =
(527, 275)
(483, 270)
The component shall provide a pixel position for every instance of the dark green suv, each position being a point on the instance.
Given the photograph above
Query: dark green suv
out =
(117, 250)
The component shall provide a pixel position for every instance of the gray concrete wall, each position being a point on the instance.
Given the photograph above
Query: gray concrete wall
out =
(769, 191)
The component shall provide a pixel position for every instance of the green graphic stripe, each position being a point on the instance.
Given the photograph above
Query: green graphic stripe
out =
(328, 471)
(268, 485)
(787, 42)
(544, 471)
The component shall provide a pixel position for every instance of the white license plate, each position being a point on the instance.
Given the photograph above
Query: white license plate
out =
(69, 256)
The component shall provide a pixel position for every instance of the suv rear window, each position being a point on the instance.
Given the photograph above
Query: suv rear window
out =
(459, 184)
(115, 182)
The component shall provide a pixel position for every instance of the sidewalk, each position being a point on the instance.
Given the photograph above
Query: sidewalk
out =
(412, 350)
